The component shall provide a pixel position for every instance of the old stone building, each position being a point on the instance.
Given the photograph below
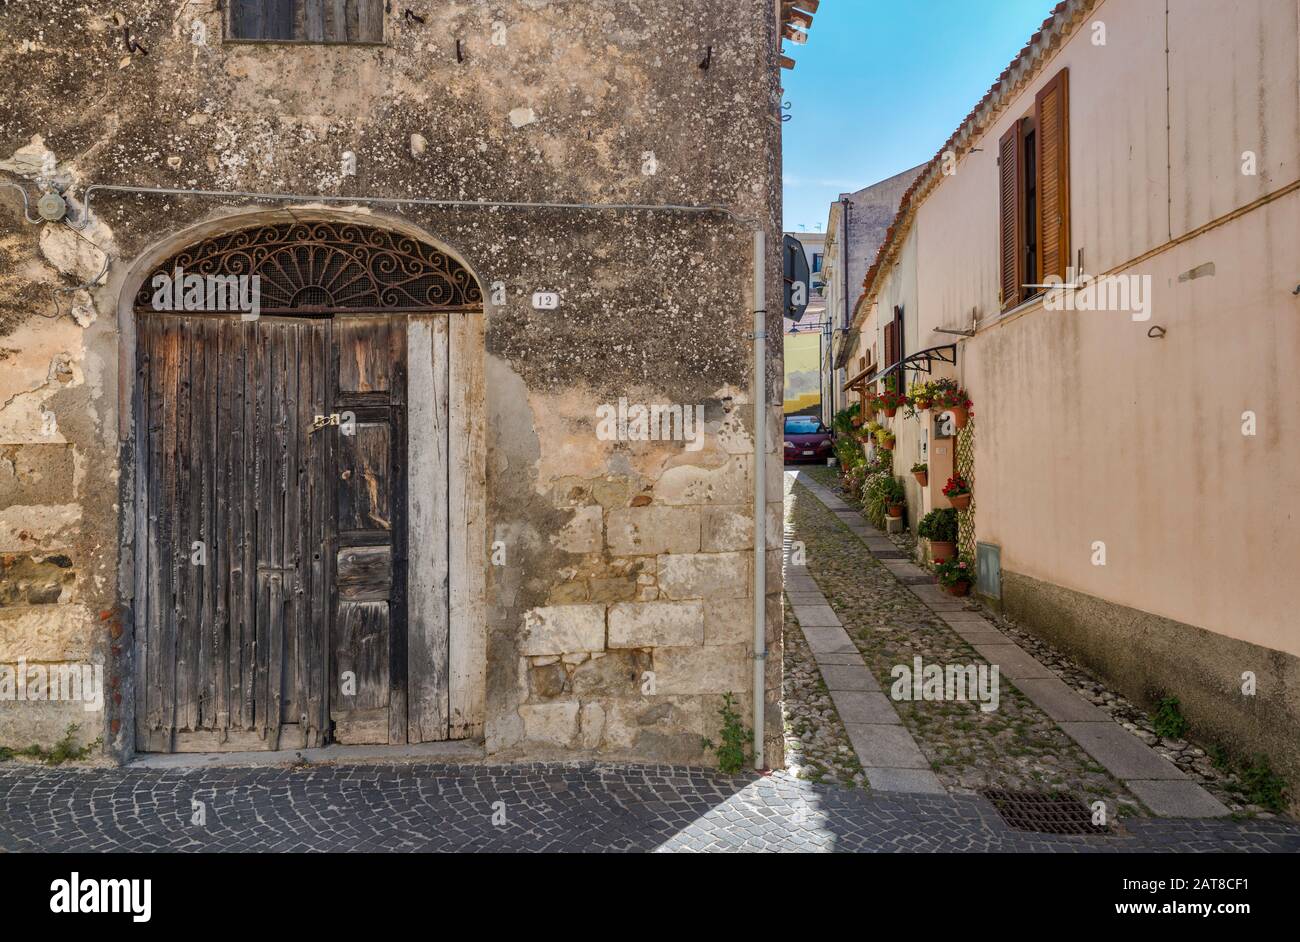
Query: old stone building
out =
(380, 502)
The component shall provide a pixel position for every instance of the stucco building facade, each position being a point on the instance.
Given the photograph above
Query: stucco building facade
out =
(385, 509)
(1134, 436)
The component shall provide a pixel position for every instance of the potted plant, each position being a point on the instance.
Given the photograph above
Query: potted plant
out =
(955, 574)
(885, 439)
(921, 471)
(958, 492)
(940, 528)
(895, 497)
(890, 401)
(921, 395)
(952, 398)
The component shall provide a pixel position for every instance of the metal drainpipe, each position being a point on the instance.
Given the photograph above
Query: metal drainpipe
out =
(760, 490)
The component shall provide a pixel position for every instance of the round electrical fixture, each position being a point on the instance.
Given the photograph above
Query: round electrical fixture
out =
(52, 207)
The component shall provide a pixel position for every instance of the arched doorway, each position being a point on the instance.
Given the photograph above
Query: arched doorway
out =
(291, 416)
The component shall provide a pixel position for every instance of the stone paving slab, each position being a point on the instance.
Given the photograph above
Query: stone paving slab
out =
(1123, 754)
(1178, 799)
(1059, 701)
(830, 640)
(1014, 662)
(974, 619)
(856, 706)
(920, 781)
(885, 745)
(815, 616)
(844, 658)
(977, 636)
(848, 677)
(936, 598)
(805, 598)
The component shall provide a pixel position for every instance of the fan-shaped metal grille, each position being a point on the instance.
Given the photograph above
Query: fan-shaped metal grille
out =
(318, 267)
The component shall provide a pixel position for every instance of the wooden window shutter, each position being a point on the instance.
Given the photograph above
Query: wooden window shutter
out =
(1009, 214)
(889, 345)
(1051, 112)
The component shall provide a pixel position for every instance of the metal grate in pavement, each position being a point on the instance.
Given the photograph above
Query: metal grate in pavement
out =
(1044, 812)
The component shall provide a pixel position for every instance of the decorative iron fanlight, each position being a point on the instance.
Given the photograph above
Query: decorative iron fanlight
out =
(321, 267)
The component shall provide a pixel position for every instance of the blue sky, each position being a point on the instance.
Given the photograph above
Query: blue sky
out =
(882, 83)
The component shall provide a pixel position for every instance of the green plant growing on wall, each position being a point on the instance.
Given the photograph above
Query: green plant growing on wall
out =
(1262, 786)
(65, 750)
(736, 739)
(1169, 720)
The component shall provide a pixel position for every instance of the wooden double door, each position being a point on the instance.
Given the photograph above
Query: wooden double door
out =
(273, 533)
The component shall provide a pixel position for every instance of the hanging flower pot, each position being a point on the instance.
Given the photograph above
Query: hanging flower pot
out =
(958, 492)
(886, 443)
(949, 397)
(921, 471)
(890, 413)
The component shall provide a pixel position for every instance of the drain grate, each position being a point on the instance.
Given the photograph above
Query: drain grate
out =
(1044, 812)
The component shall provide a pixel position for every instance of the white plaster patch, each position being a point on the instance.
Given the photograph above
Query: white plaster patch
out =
(43, 527)
(522, 117)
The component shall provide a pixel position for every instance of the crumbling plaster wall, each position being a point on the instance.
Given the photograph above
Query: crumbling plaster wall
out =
(579, 103)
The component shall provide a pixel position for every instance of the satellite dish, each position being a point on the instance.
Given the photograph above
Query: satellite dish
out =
(797, 278)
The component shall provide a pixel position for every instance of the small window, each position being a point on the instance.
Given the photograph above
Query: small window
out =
(307, 21)
(1034, 210)
(817, 261)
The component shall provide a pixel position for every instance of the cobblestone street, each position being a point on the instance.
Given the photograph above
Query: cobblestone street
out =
(547, 807)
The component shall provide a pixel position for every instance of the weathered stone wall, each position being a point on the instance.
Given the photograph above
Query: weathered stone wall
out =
(620, 557)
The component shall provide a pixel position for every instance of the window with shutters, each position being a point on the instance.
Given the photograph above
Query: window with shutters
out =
(1034, 195)
(306, 21)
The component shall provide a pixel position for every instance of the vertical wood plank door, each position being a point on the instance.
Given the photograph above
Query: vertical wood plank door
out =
(282, 607)
(232, 652)
(368, 639)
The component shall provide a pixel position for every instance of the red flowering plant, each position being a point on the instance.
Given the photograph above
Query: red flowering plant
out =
(948, 395)
(891, 400)
(954, 571)
(956, 486)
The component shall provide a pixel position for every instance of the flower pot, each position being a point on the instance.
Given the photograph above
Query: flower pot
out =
(896, 510)
(888, 445)
(960, 501)
(921, 405)
(959, 416)
(958, 588)
(890, 413)
(922, 477)
(941, 550)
